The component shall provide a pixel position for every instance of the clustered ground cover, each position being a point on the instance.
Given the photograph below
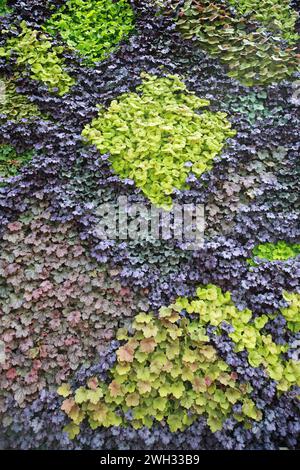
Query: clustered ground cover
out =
(275, 15)
(95, 27)
(35, 51)
(140, 343)
(156, 137)
(252, 55)
(3, 7)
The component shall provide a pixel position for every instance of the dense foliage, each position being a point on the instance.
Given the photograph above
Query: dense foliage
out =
(3, 7)
(276, 251)
(34, 50)
(13, 105)
(251, 54)
(138, 342)
(276, 15)
(161, 122)
(94, 27)
(11, 161)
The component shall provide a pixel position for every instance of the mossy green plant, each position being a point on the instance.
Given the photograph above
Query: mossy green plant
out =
(157, 135)
(94, 28)
(34, 49)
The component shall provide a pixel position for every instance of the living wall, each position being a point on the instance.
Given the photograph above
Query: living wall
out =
(138, 342)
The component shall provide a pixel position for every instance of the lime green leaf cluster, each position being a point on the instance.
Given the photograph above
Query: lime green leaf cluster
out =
(216, 307)
(292, 312)
(253, 58)
(168, 372)
(253, 106)
(95, 27)
(3, 7)
(276, 15)
(34, 49)
(156, 136)
(11, 161)
(279, 251)
(13, 105)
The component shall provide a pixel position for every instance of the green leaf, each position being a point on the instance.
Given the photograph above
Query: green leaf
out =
(64, 390)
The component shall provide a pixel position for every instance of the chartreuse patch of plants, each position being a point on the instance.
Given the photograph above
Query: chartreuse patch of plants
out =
(44, 267)
(253, 56)
(279, 251)
(11, 161)
(34, 49)
(157, 135)
(215, 308)
(94, 28)
(167, 371)
(13, 105)
(276, 15)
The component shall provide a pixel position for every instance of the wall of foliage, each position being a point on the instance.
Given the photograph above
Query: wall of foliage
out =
(141, 344)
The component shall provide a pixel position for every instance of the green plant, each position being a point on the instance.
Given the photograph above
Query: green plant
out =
(13, 105)
(253, 106)
(215, 308)
(11, 161)
(157, 136)
(3, 7)
(276, 15)
(292, 312)
(167, 372)
(34, 49)
(253, 58)
(95, 27)
(279, 251)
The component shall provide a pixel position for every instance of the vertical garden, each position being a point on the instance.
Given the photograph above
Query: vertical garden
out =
(115, 114)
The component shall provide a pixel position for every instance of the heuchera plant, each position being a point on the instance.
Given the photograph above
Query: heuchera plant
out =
(45, 268)
(167, 371)
(34, 49)
(157, 136)
(292, 312)
(13, 105)
(252, 57)
(11, 161)
(57, 325)
(280, 251)
(3, 7)
(276, 15)
(95, 27)
(168, 368)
